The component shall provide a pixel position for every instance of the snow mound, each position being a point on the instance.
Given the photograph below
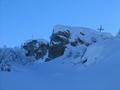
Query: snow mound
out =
(102, 51)
(67, 44)
(56, 76)
(59, 74)
(83, 33)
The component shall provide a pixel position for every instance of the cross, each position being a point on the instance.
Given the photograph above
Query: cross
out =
(32, 37)
(100, 29)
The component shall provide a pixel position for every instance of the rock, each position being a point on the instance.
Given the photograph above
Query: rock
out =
(60, 38)
(58, 42)
(36, 48)
(55, 51)
(74, 42)
(83, 42)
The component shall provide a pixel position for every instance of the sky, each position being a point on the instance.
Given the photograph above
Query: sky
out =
(20, 20)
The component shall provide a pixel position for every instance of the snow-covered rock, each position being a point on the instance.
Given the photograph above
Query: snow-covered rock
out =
(65, 37)
(36, 48)
(82, 34)
(104, 75)
(68, 44)
(82, 47)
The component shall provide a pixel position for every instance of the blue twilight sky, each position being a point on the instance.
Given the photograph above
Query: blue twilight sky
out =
(20, 19)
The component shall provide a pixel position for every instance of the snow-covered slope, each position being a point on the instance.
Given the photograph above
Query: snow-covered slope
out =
(81, 67)
(67, 44)
(104, 75)
(103, 51)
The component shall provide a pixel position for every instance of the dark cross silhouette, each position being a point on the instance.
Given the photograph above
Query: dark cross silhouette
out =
(100, 28)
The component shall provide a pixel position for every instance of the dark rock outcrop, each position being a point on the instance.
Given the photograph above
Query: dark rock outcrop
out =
(36, 48)
(60, 38)
(57, 43)
(56, 51)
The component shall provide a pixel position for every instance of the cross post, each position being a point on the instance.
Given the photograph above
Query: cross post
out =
(100, 28)
(32, 37)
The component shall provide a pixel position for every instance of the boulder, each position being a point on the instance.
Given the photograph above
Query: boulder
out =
(58, 42)
(60, 38)
(55, 51)
(36, 48)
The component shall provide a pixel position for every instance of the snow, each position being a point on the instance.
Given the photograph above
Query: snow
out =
(56, 76)
(11, 56)
(84, 33)
(72, 55)
(102, 51)
(99, 72)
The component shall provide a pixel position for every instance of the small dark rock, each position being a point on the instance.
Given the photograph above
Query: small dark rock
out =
(74, 43)
(84, 61)
(82, 33)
